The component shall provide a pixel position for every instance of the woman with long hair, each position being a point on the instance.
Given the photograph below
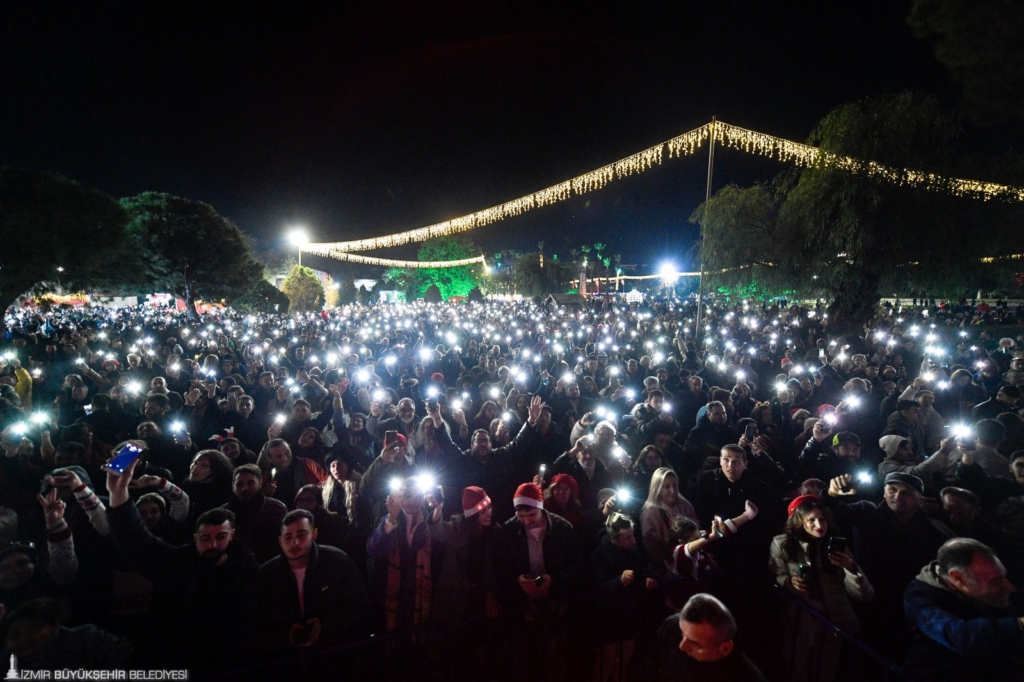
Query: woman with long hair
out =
(310, 445)
(463, 585)
(663, 506)
(642, 470)
(209, 481)
(488, 412)
(809, 560)
(562, 497)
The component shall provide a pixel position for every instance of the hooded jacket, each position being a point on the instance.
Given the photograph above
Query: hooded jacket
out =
(930, 470)
(953, 638)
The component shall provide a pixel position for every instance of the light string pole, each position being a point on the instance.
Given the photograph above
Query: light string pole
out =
(697, 326)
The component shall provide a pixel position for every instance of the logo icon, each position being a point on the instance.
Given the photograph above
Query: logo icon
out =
(12, 672)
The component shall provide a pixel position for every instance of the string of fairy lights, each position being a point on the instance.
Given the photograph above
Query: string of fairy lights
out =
(687, 144)
(390, 263)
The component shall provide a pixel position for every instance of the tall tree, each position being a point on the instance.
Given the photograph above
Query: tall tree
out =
(982, 44)
(304, 290)
(189, 250)
(850, 237)
(50, 222)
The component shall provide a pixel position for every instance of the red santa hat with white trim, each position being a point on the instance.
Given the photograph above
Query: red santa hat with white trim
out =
(530, 495)
(474, 501)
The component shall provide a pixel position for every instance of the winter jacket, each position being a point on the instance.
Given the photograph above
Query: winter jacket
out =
(891, 553)
(706, 439)
(589, 485)
(562, 560)
(616, 610)
(952, 638)
(333, 591)
(931, 470)
(258, 524)
(837, 586)
(467, 571)
(197, 604)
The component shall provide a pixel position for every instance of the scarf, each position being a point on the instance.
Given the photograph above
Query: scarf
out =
(423, 582)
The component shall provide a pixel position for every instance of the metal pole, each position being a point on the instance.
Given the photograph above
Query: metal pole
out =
(300, 256)
(697, 327)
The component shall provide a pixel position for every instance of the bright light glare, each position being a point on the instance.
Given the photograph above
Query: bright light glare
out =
(298, 237)
(668, 273)
(622, 495)
(962, 431)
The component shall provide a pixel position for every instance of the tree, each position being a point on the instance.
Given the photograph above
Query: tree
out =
(846, 236)
(457, 281)
(982, 44)
(51, 222)
(529, 279)
(432, 294)
(263, 298)
(303, 290)
(346, 291)
(189, 250)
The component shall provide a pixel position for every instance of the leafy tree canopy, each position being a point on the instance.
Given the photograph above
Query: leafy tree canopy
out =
(51, 222)
(848, 238)
(304, 290)
(982, 44)
(458, 281)
(190, 250)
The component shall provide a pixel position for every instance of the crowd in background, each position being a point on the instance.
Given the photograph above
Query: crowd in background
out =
(599, 491)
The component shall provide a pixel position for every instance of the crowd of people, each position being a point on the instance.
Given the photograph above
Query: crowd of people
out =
(504, 489)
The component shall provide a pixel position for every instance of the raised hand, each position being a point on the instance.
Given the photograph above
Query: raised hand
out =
(536, 407)
(53, 509)
(841, 486)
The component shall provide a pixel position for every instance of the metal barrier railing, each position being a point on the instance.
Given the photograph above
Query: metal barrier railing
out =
(854, 661)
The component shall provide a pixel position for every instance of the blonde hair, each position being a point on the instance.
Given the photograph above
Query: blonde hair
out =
(658, 482)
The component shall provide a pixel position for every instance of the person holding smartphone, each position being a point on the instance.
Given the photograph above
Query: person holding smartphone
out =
(819, 568)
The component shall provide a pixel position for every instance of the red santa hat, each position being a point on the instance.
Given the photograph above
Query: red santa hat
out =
(474, 501)
(530, 495)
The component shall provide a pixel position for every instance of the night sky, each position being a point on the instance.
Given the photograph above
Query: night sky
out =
(360, 122)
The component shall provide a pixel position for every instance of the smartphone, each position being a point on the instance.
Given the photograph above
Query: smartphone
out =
(391, 439)
(821, 352)
(837, 544)
(128, 453)
(431, 404)
(88, 409)
(803, 570)
(750, 431)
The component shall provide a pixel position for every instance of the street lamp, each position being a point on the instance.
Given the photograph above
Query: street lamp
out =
(298, 238)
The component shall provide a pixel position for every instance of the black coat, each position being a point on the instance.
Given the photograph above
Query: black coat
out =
(589, 487)
(562, 560)
(616, 610)
(333, 591)
(197, 604)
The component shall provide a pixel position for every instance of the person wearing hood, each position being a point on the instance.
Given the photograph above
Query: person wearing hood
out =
(198, 588)
(899, 456)
(906, 421)
(962, 626)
